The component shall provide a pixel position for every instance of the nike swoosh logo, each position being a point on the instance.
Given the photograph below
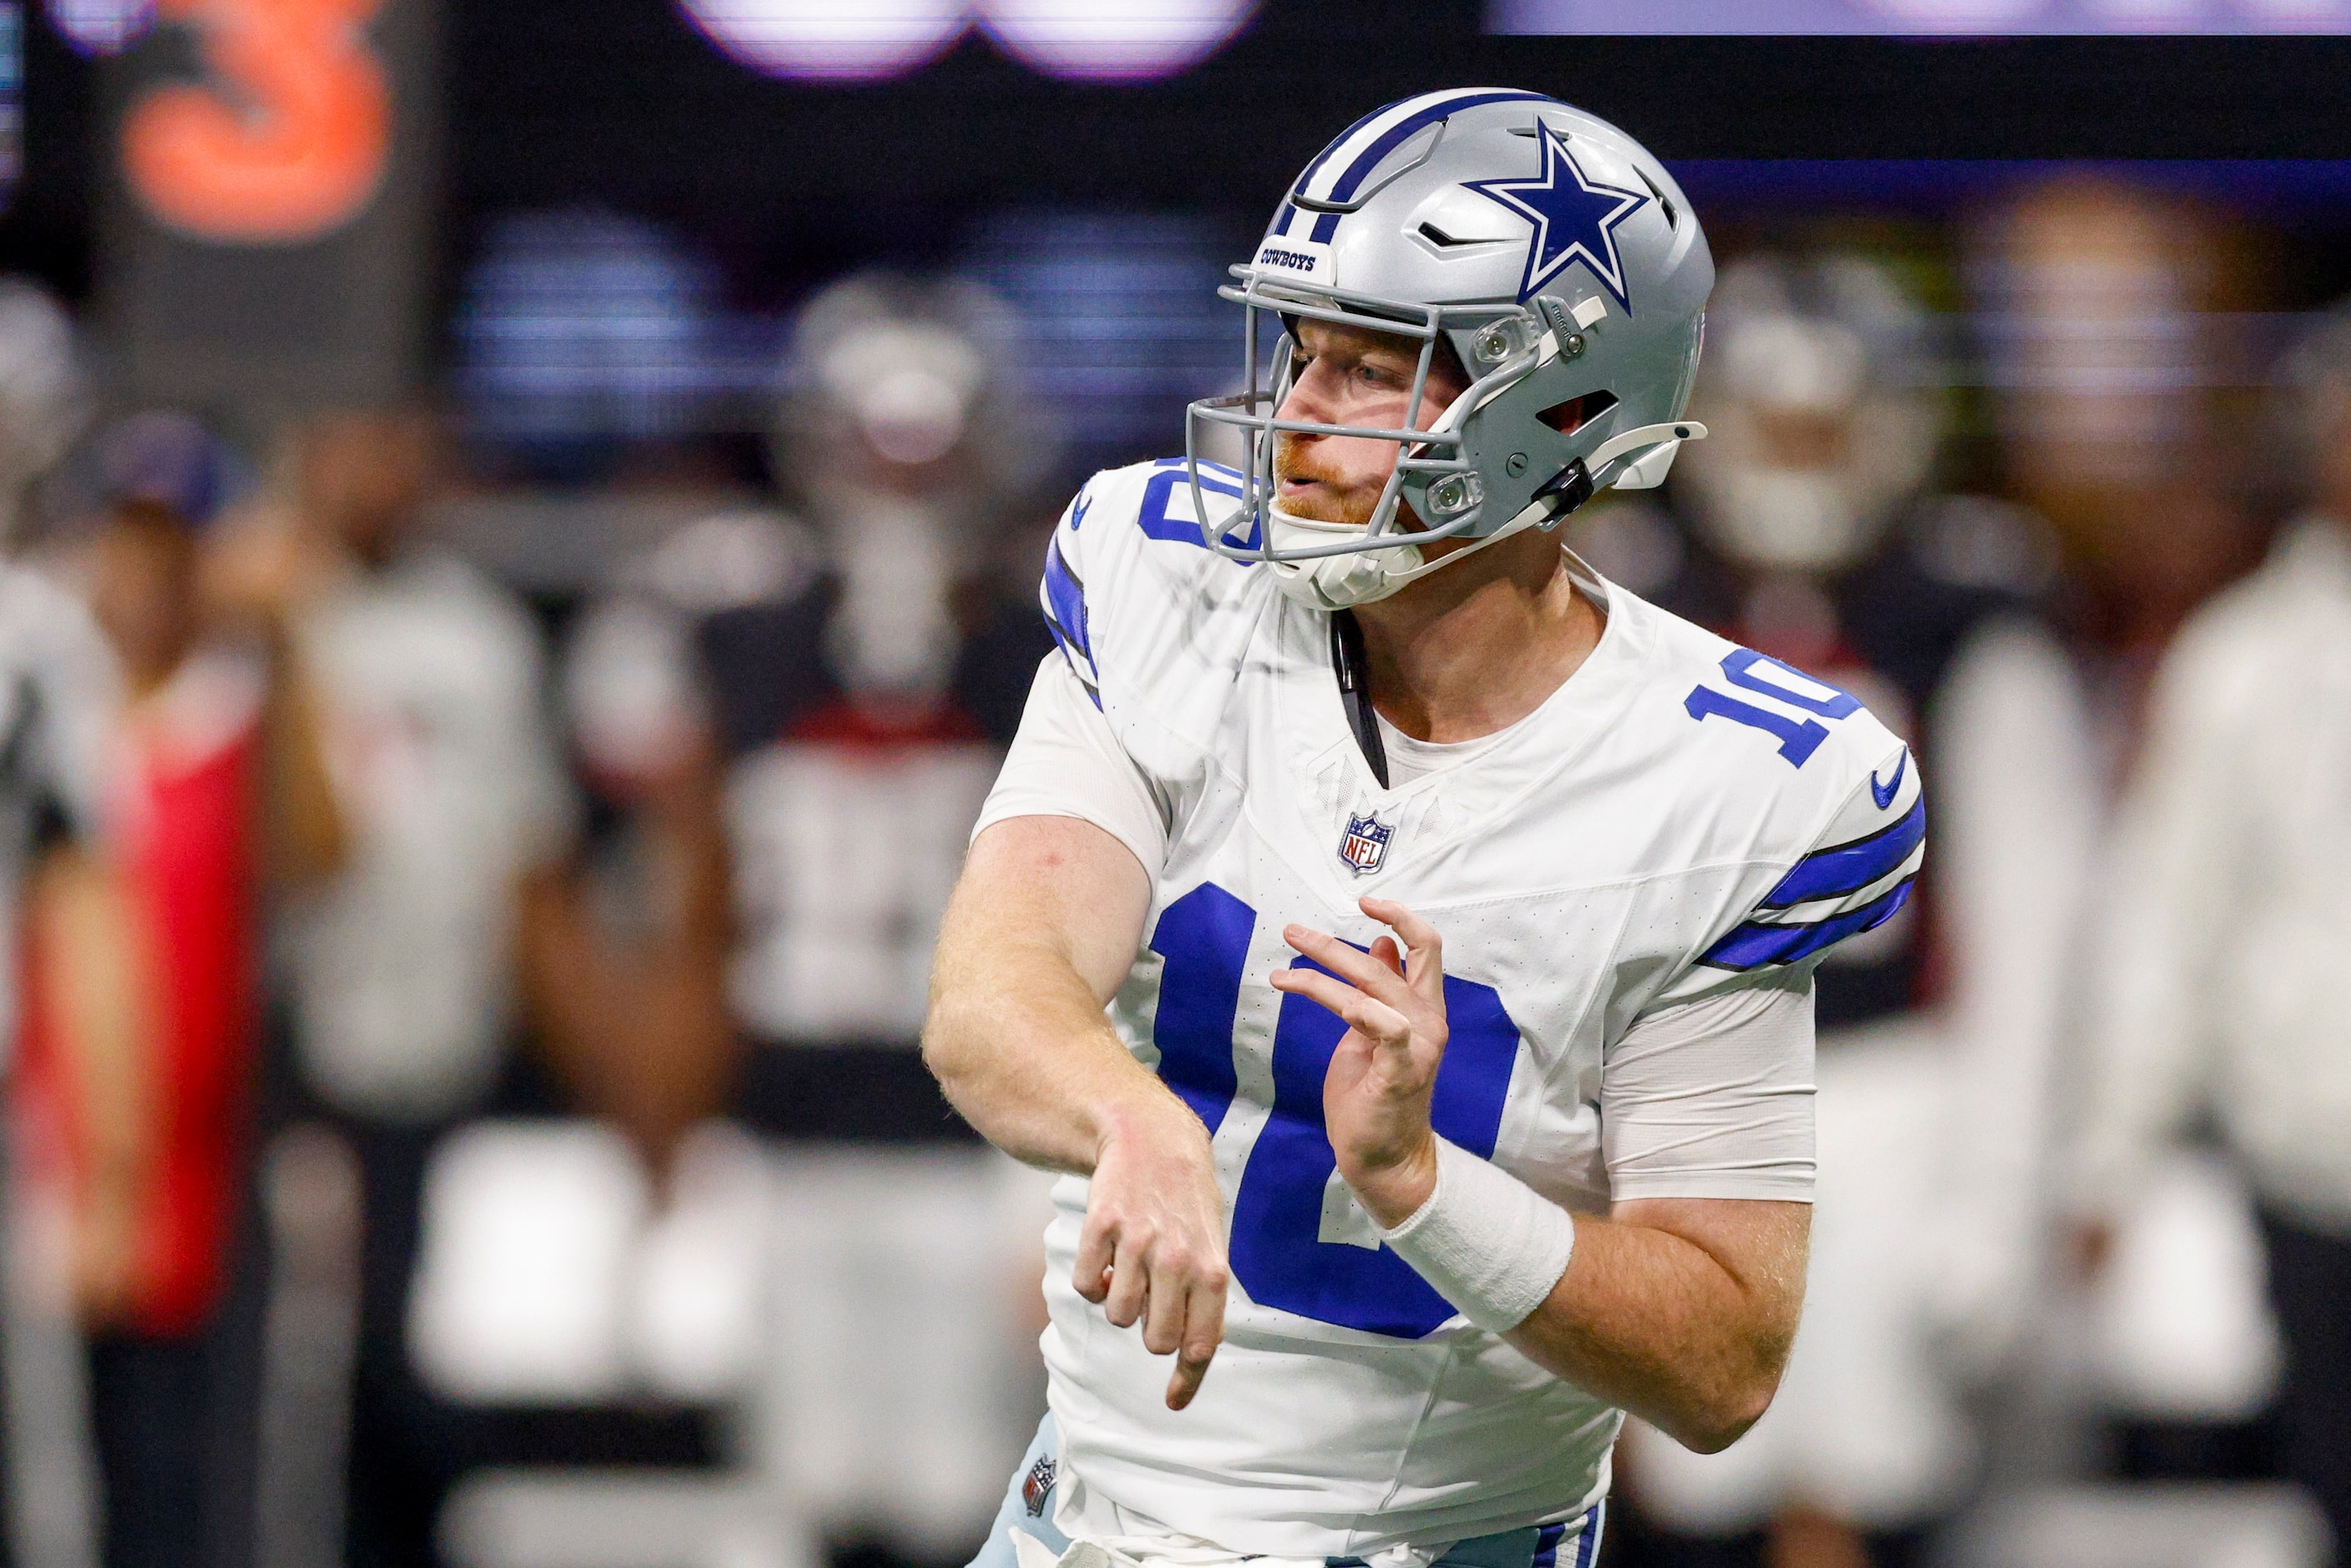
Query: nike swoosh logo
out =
(1883, 793)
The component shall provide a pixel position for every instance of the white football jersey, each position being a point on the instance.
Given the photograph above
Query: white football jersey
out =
(1681, 819)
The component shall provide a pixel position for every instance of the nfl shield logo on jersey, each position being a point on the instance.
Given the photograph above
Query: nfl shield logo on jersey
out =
(1366, 844)
(1038, 1486)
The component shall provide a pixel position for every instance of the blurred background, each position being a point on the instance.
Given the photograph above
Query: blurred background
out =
(518, 525)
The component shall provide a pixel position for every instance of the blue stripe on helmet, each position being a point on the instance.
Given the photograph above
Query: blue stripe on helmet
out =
(1756, 943)
(1850, 867)
(1436, 107)
(1395, 135)
(1340, 140)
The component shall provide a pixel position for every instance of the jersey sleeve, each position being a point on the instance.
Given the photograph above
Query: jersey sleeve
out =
(1153, 627)
(1143, 611)
(1064, 761)
(1714, 1098)
(1856, 874)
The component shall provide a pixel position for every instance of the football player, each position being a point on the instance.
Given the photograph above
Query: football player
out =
(1402, 936)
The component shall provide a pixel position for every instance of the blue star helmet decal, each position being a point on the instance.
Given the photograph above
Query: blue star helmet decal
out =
(1575, 218)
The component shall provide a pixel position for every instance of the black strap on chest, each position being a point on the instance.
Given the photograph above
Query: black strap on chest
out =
(1353, 668)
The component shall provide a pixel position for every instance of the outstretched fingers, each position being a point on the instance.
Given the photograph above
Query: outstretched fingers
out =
(1367, 972)
(1367, 1015)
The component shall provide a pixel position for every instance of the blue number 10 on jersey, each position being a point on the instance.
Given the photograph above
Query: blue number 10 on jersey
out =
(1278, 1250)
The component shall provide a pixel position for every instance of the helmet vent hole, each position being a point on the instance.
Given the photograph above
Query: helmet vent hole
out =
(1572, 415)
(1673, 213)
(1435, 235)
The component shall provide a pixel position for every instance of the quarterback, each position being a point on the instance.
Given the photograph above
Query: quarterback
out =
(1400, 936)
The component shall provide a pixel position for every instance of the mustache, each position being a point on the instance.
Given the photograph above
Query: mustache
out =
(1339, 499)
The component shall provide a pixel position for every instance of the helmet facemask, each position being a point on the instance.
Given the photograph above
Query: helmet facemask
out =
(1521, 447)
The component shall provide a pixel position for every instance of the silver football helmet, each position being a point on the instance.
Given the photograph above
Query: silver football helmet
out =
(1548, 250)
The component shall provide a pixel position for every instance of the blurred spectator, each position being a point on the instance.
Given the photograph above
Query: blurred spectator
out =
(862, 694)
(430, 680)
(2108, 314)
(625, 963)
(1817, 539)
(861, 670)
(407, 967)
(54, 674)
(142, 1012)
(2116, 335)
(57, 704)
(2217, 990)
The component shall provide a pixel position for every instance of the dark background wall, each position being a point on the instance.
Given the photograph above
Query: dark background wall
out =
(620, 102)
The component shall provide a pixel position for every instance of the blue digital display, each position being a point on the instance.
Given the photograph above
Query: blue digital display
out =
(1926, 18)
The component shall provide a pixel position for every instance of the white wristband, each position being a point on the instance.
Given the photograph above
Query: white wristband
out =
(1490, 1244)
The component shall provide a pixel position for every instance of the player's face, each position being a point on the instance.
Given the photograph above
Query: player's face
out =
(1345, 376)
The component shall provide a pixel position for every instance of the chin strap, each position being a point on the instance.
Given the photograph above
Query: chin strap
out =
(1348, 661)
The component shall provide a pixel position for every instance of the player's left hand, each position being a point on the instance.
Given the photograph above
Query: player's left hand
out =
(1375, 1096)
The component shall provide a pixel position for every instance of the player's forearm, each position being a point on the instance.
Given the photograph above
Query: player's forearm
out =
(1655, 1323)
(1043, 924)
(1022, 1050)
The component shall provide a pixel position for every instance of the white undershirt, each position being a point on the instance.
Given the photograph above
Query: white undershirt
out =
(1708, 1099)
(1410, 761)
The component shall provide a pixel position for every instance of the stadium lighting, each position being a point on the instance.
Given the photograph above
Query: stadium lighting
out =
(824, 40)
(102, 26)
(1084, 40)
(1136, 41)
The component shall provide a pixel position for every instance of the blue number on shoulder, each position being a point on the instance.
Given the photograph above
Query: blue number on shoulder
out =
(1798, 738)
(1277, 1253)
(1163, 516)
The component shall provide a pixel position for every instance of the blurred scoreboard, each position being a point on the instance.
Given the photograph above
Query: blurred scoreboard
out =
(1962, 18)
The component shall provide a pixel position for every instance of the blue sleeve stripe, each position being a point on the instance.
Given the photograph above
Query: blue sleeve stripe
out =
(1065, 601)
(1849, 867)
(1756, 943)
(1587, 1540)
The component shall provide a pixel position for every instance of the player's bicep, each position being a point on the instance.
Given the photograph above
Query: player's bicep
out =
(1066, 762)
(1052, 884)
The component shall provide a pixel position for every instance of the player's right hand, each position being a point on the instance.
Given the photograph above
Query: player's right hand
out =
(1153, 1250)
